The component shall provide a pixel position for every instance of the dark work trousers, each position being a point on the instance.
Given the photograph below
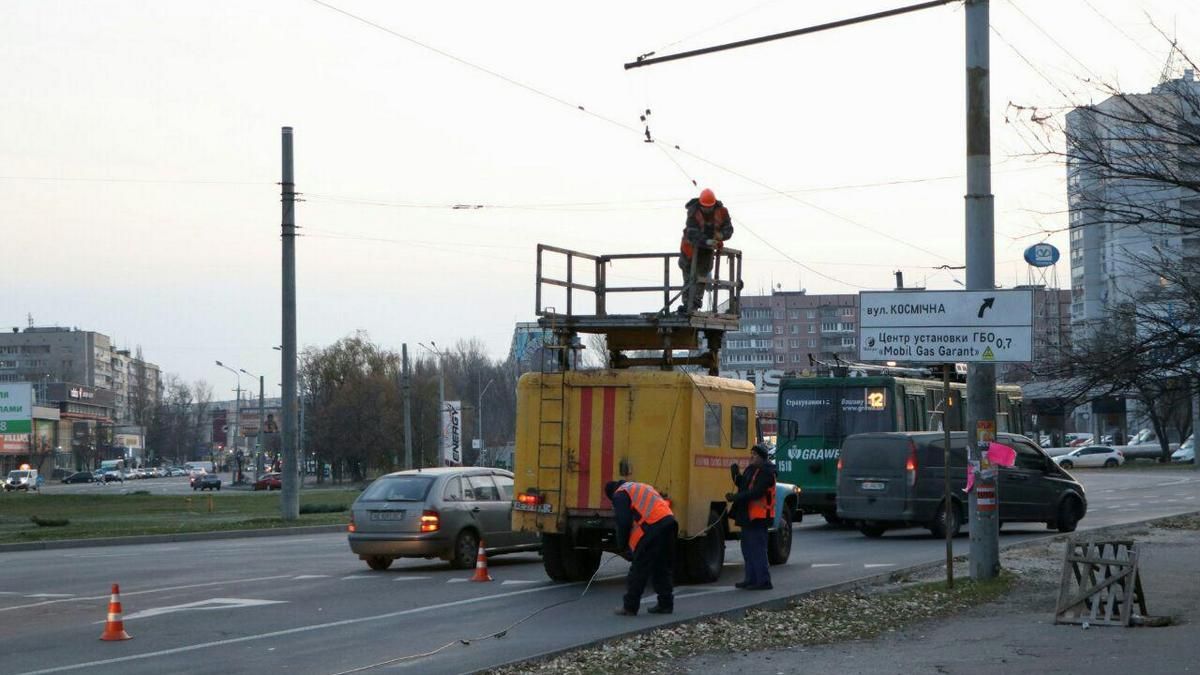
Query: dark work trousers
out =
(704, 265)
(652, 561)
(754, 552)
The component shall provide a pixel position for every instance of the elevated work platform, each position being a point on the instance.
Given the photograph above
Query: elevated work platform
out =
(663, 330)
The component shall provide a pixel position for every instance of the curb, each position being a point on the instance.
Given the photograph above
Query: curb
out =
(781, 603)
(162, 538)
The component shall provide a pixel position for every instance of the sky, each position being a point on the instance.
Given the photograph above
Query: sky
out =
(140, 154)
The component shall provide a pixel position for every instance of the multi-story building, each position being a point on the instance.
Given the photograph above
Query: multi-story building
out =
(135, 385)
(783, 330)
(1128, 164)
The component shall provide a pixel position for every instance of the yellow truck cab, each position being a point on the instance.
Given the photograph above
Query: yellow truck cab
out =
(639, 419)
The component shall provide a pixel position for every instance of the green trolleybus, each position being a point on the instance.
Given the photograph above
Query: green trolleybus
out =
(817, 413)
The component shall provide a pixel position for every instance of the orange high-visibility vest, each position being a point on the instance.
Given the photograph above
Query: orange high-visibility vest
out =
(649, 507)
(720, 216)
(764, 506)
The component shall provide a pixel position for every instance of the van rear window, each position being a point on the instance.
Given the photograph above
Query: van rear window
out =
(875, 453)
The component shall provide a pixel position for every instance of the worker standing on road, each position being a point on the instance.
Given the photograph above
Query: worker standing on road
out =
(753, 509)
(708, 226)
(646, 527)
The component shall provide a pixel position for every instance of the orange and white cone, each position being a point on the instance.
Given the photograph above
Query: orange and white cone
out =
(114, 628)
(481, 570)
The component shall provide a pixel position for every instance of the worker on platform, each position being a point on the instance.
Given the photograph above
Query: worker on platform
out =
(646, 531)
(708, 227)
(753, 509)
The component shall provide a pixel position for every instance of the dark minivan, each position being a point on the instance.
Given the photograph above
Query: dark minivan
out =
(896, 479)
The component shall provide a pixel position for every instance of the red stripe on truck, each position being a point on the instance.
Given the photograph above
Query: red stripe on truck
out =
(585, 446)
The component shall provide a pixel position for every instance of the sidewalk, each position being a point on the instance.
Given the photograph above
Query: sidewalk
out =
(1017, 634)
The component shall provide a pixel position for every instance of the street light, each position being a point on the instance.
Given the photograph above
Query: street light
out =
(237, 408)
(479, 417)
(441, 388)
(261, 422)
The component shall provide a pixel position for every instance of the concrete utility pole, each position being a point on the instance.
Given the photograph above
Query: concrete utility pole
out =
(479, 418)
(981, 276)
(406, 391)
(289, 498)
(433, 348)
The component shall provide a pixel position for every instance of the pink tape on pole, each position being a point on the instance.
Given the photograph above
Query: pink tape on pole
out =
(1001, 455)
(970, 478)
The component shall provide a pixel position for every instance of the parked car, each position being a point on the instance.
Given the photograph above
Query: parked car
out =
(206, 481)
(1186, 454)
(268, 481)
(1092, 455)
(80, 477)
(1078, 440)
(176, 471)
(897, 479)
(442, 512)
(113, 475)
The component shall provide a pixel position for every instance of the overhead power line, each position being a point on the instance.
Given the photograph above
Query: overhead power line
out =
(645, 61)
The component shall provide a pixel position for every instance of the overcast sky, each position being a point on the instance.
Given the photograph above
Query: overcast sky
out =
(139, 154)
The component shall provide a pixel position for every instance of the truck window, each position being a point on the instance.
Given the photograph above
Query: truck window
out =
(712, 424)
(739, 426)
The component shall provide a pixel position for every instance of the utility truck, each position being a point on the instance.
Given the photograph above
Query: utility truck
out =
(656, 413)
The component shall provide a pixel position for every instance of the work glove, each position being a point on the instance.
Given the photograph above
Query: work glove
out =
(710, 242)
(735, 471)
(626, 554)
(729, 496)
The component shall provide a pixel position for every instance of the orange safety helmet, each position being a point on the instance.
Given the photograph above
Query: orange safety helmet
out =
(707, 198)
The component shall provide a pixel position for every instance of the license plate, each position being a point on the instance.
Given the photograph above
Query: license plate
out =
(533, 508)
(387, 515)
(870, 485)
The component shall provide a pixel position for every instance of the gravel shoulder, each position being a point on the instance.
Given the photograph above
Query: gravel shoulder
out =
(913, 625)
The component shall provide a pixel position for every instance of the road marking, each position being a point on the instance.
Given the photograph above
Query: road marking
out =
(826, 564)
(520, 581)
(1131, 503)
(167, 589)
(50, 595)
(214, 603)
(298, 629)
(1192, 497)
(356, 576)
(457, 581)
(721, 589)
(311, 576)
(415, 578)
(870, 565)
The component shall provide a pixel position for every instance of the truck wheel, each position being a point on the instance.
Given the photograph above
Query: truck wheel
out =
(700, 560)
(831, 517)
(943, 521)
(872, 530)
(779, 542)
(564, 562)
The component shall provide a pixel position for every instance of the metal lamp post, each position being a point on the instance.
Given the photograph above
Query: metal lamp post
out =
(441, 390)
(479, 418)
(262, 420)
(237, 408)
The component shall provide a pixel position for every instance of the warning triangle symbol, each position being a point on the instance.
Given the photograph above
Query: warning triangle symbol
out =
(988, 355)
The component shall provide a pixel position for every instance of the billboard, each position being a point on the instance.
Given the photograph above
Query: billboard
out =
(452, 434)
(16, 408)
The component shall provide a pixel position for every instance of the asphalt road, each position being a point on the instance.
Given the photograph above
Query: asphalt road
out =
(305, 604)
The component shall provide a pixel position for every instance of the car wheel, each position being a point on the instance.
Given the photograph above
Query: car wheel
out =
(779, 542)
(872, 530)
(1068, 515)
(1110, 463)
(1067, 464)
(944, 521)
(379, 563)
(466, 549)
(218, 488)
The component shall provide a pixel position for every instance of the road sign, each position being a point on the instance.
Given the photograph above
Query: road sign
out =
(16, 408)
(946, 326)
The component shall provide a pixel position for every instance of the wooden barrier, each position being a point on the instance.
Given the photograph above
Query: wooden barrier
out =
(1100, 584)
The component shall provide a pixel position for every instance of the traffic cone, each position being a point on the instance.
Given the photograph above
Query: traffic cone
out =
(114, 628)
(481, 570)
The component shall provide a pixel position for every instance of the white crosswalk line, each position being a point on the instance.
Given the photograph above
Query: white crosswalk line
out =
(870, 565)
(412, 578)
(457, 581)
(829, 564)
(519, 581)
(310, 576)
(355, 576)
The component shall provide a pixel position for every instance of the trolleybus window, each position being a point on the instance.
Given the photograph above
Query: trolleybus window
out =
(838, 411)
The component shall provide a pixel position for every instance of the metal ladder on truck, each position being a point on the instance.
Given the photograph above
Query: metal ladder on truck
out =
(552, 413)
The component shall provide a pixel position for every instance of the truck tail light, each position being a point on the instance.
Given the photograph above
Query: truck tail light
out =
(430, 521)
(530, 498)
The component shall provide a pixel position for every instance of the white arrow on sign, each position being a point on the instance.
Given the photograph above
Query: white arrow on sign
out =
(214, 603)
